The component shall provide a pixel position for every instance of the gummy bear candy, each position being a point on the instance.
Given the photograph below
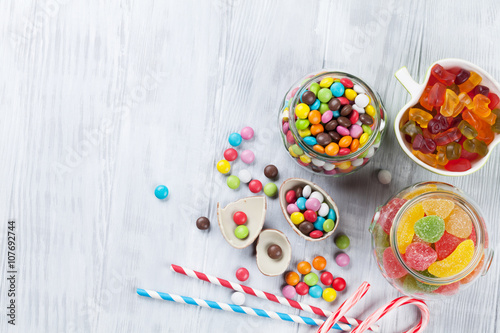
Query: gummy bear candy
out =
(462, 76)
(453, 151)
(467, 130)
(428, 288)
(437, 94)
(473, 80)
(442, 75)
(424, 145)
(392, 266)
(411, 129)
(480, 103)
(465, 153)
(405, 229)
(476, 146)
(439, 207)
(448, 289)
(421, 190)
(438, 124)
(458, 223)
(388, 212)
(465, 102)
(424, 99)
(452, 134)
(441, 158)
(494, 100)
(496, 126)
(419, 256)
(490, 119)
(446, 245)
(451, 103)
(483, 90)
(455, 262)
(430, 228)
(420, 116)
(460, 164)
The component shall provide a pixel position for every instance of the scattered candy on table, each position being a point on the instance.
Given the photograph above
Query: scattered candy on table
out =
(338, 284)
(292, 278)
(289, 291)
(311, 279)
(274, 251)
(326, 278)
(233, 182)
(242, 274)
(271, 171)
(304, 267)
(319, 263)
(342, 259)
(255, 186)
(270, 189)
(238, 298)
(161, 192)
(235, 139)
(245, 176)
(329, 294)
(384, 177)
(247, 156)
(247, 133)
(342, 242)
(203, 223)
(315, 291)
(223, 166)
(230, 154)
(455, 121)
(301, 288)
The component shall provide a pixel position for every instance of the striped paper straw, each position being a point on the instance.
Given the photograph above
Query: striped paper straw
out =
(268, 296)
(232, 308)
(346, 306)
(424, 311)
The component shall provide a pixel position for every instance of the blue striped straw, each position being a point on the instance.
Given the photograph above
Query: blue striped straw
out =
(235, 308)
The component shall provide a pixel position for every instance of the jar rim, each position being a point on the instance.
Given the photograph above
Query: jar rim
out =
(472, 210)
(376, 103)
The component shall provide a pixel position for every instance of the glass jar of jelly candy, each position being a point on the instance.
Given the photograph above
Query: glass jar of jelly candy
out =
(430, 241)
(331, 123)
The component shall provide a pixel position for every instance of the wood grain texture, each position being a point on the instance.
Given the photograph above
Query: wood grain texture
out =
(103, 100)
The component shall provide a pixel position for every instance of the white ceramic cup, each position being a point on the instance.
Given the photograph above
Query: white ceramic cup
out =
(416, 89)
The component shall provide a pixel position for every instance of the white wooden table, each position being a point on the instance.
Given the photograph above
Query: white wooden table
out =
(103, 100)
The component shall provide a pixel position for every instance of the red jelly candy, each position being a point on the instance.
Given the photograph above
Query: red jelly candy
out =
(446, 245)
(450, 135)
(460, 164)
(428, 147)
(420, 256)
(473, 236)
(442, 75)
(436, 94)
(449, 289)
(388, 213)
(494, 99)
(466, 154)
(438, 124)
(392, 266)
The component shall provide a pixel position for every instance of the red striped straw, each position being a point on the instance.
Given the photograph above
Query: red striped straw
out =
(265, 295)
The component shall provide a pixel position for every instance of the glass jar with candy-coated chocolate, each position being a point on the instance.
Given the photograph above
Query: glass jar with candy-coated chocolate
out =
(331, 123)
(430, 241)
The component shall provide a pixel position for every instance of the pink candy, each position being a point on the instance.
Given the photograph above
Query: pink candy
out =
(342, 259)
(247, 133)
(355, 131)
(313, 204)
(420, 256)
(342, 130)
(326, 117)
(289, 291)
(286, 127)
(392, 266)
(292, 208)
(289, 137)
(247, 156)
(388, 212)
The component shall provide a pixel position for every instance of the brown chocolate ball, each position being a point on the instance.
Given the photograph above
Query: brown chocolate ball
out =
(308, 97)
(271, 171)
(306, 227)
(334, 104)
(323, 139)
(274, 251)
(203, 223)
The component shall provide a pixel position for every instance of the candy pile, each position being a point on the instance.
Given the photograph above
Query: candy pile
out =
(335, 117)
(241, 231)
(310, 281)
(309, 213)
(435, 238)
(455, 120)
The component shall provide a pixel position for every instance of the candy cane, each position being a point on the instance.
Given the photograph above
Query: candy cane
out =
(268, 296)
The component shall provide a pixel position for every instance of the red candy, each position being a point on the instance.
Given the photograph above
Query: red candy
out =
(242, 274)
(392, 266)
(240, 218)
(446, 245)
(388, 213)
(346, 82)
(230, 154)
(343, 100)
(460, 164)
(494, 99)
(316, 234)
(419, 256)
(310, 215)
(354, 117)
(301, 288)
(339, 284)
(344, 151)
(326, 278)
(436, 94)
(255, 186)
(449, 289)
(442, 75)
(290, 197)
(453, 134)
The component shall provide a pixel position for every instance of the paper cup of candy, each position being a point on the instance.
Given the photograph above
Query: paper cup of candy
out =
(309, 210)
(430, 241)
(452, 121)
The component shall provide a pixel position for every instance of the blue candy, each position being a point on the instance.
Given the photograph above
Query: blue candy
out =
(319, 223)
(302, 93)
(332, 215)
(315, 105)
(301, 203)
(336, 114)
(235, 139)
(315, 291)
(337, 89)
(161, 192)
(310, 140)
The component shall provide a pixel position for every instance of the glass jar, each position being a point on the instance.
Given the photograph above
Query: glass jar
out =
(391, 226)
(314, 159)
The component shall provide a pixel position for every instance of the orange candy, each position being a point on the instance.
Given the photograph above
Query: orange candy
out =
(314, 117)
(319, 149)
(304, 267)
(319, 263)
(292, 278)
(316, 129)
(345, 141)
(332, 149)
(354, 145)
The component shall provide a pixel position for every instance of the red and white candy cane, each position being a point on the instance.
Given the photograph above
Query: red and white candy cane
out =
(351, 301)
(265, 295)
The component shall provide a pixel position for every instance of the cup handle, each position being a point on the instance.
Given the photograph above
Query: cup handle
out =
(487, 262)
(407, 81)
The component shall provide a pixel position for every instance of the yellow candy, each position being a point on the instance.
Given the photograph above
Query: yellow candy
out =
(455, 262)
(405, 230)
(290, 150)
(439, 207)
(302, 110)
(421, 190)
(350, 94)
(363, 139)
(326, 82)
(370, 110)
(329, 294)
(458, 223)
(304, 133)
(306, 159)
(344, 165)
(297, 218)
(223, 166)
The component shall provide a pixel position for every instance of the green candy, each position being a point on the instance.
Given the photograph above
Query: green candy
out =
(302, 124)
(367, 129)
(428, 288)
(270, 189)
(342, 242)
(324, 95)
(297, 150)
(241, 231)
(410, 285)
(380, 238)
(233, 182)
(315, 87)
(429, 228)
(378, 138)
(328, 225)
(323, 107)
(311, 279)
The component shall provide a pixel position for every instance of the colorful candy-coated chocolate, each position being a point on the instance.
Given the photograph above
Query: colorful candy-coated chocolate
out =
(235, 139)
(223, 166)
(292, 278)
(290, 197)
(338, 284)
(161, 192)
(342, 259)
(233, 182)
(242, 274)
(241, 232)
(326, 278)
(255, 186)
(319, 263)
(316, 234)
(247, 156)
(315, 291)
(304, 267)
(270, 189)
(230, 154)
(238, 298)
(329, 294)
(311, 279)
(289, 292)
(328, 225)
(313, 204)
(302, 289)
(310, 215)
(247, 133)
(342, 242)
(240, 218)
